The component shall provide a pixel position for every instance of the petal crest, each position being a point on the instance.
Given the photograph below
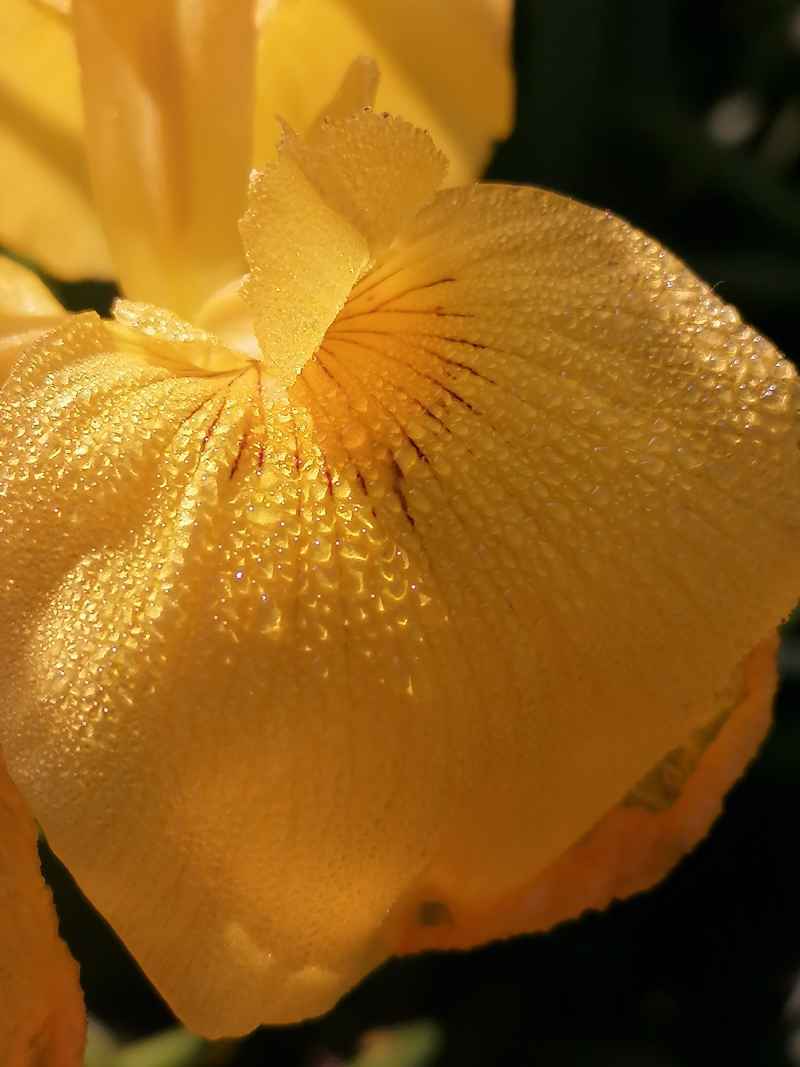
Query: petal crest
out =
(320, 215)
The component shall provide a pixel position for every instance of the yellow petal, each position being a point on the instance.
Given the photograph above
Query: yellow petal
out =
(317, 216)
(444, 67)
(631, 848)
(42, 1021)
(168, 94)
(357, 90)
(386, 644)
(295, 296)
(46, 210)
(27, 308)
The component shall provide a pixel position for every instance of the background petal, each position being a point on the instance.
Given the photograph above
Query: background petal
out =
(42, 1021)
(444, 67)
(27, 308)
(168, 95)
(46, 211)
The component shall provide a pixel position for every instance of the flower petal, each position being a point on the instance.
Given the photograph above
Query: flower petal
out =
(631, 848)
(27, 308)
(391, 641)
(42, 1020)
(168, 94)
(357, 90)
(465, 102)
(46, 211)
(601, 463)
(317, 217)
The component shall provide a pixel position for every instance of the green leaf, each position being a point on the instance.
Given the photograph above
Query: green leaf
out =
(403, 1046)
(101, 1046)
(172, 1048)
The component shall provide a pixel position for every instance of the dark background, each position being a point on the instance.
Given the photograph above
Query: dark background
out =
(683, 116)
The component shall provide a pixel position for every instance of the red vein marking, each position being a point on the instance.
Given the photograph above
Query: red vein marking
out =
(386, 304)
(381, 354)
(240, 453)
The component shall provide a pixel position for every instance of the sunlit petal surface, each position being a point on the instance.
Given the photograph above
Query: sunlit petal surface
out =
(42, 1021)
(299, 662)
(168, 96)
(46, 209)
(465, 102)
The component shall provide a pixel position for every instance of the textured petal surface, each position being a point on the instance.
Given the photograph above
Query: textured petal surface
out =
(27, 308)
(444, 67)
(318, 217)
(289, 671)
(304, 259)
(168, 95)
(42, 1021)
(46, 209)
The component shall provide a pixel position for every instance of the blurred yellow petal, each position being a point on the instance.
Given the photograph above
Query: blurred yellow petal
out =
(27, 308)
(318, 216)
(321, 664)
(444, 67)
(290, 328)
(357, 89)
(42, 1020)
(168, 96)
(23, 294)
(169, 145)
(46, 211)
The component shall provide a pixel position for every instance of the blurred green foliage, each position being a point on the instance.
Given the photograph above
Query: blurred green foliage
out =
(172, 1048)
(684, 117)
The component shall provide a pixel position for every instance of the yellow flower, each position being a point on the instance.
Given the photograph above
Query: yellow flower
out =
(300, 52)
(425, 596)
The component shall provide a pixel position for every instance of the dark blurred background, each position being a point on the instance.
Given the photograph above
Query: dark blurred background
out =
(683, 116)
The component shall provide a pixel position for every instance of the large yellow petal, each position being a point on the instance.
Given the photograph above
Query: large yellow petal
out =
(168, 95)
(27, 308)
(42, 1021)
(46, 210)
(289, 672)
(444, 67)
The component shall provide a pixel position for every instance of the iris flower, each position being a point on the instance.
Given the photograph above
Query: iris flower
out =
(412, 584)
